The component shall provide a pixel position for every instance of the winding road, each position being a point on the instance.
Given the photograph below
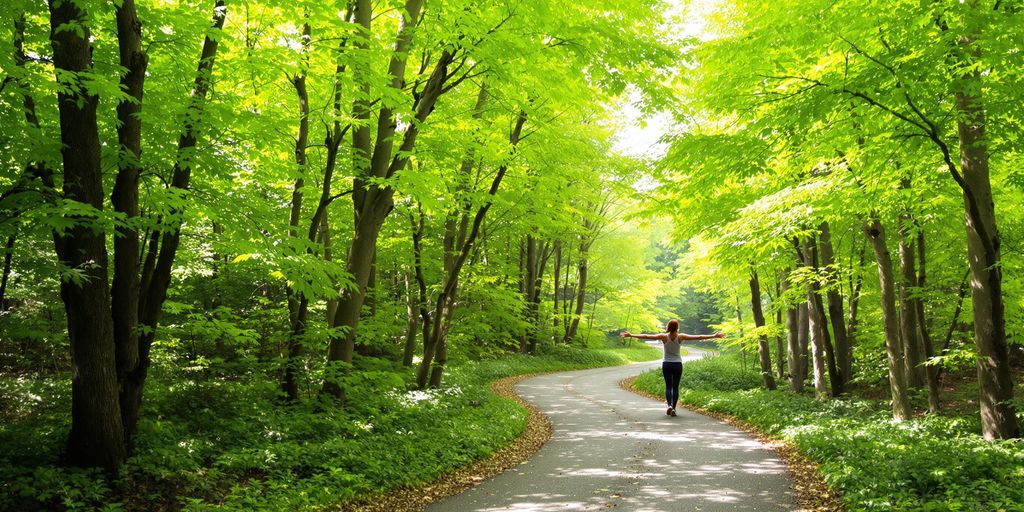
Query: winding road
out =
(613, 449)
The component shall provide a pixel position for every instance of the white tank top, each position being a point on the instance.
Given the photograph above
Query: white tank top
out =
(672, 350)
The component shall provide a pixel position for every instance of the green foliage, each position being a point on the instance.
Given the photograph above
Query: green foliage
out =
(213, 437)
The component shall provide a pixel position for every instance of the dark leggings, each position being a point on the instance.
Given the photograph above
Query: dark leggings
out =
(672, 372)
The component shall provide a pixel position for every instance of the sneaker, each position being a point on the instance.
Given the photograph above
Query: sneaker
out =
(672, 411)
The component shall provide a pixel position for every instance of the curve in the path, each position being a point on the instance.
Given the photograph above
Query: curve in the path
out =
(611, 448)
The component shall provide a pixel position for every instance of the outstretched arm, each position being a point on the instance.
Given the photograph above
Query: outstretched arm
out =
(628, 334)
(685, 336)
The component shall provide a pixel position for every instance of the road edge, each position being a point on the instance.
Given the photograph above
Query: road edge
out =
(415, 499)
(812, 493)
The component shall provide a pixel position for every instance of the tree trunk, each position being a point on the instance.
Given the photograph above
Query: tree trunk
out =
(437, 335)
(125, 198)
(998, 415)
(163, 245)
(412, 324)
(909, 328)
(851, 317)
(931, 371)
(794, 350)
(817, 326)
(897, 378)
(298, 305)
(581, 293)
(372, 201)
(556, 270)
(780, 347)
(843, 350)
(8, 256)
(538, 289)
(97, 434)
(763, 355)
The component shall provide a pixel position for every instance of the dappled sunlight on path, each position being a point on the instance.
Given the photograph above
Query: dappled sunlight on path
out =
(612, 448)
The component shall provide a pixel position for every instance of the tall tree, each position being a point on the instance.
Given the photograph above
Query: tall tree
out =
(97, 436)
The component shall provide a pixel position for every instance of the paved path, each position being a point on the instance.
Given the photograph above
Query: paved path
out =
(612, 449)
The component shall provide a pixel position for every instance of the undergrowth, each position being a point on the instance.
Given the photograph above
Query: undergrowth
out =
(223, 438)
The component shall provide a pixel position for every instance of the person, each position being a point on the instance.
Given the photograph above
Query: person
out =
(672, 362)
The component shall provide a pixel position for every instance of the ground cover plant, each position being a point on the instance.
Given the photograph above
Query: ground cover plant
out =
(933, 462)
(219, 441)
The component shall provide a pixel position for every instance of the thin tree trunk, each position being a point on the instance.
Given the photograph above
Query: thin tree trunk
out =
(780, 346)
(581, 292)
(538, 288)
(856, 282)
(446, 299)
(804, 339)
(816, 325)
(372, 202)
(843, 353)
(125, 289)
(909, 328)
(412, 324)
(156, 271)
(961, 294)
(793, 354)
(298, 305)
(897, 378)
(763, 355)
(556, 272)
(8, 256)
(931, 371)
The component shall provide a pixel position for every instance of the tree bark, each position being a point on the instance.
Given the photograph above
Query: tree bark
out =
(556, 271)
(931, 370)
(298, 305)
(843, 349)
(817, 325)
(780, 346)
(163, 245)
(856, 282)
(372, 201)
(998, 415)
(763, 354)
(909, 325)
(8, 256)
(412, 324)
(794, 350)
(125, 289)
(581, 293)
(97, 437)
(437, 335)
(897, 377)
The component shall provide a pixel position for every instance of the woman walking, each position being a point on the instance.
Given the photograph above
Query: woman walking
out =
(672, 362)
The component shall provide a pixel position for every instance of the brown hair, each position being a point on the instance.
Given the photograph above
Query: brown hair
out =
(673, 326)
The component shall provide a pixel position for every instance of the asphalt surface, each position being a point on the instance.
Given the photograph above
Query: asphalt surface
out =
(611, 449)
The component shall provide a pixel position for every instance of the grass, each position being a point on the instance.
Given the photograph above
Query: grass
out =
(222, 438)
(928, 463)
